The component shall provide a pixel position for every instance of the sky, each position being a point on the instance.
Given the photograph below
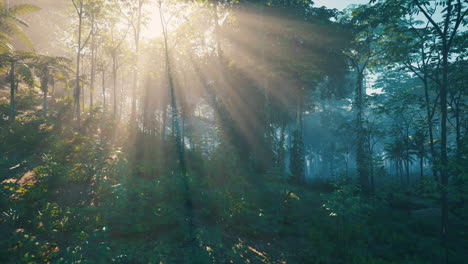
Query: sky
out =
(338, 4)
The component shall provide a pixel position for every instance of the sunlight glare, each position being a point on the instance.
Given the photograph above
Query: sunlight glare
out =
(153, 29)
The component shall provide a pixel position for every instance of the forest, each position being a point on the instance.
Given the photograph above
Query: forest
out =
(234, 131)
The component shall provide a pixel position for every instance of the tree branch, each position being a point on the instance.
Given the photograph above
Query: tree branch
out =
(434, 24)
(86, 41)
(76, 7)
(460, 18)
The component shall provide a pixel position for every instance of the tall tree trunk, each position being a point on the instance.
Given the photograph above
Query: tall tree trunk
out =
(346, 166)
(421, 166)
(396, 168)
(458, 137)
(137, 29)
(361, 157)
(400, 166)
(453, 16)
(407, 155)
(93, 65)
(443, 146)
(103, 90)
(371, 165)
(114, 80)
(217, 31)
(164, 121)
(174, 112)
(297, 150)
(281, 147)
(188, 204)
(267, 154)
(83, 87)
(45, 89)
(52, 91)
(11, 118)
(430, 126)
(78, 60)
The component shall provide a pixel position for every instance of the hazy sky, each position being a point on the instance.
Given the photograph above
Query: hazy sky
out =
(338, 4)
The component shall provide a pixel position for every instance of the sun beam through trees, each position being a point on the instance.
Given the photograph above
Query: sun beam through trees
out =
(233, 131)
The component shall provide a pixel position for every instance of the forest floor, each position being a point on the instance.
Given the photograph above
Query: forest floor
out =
(67, 197)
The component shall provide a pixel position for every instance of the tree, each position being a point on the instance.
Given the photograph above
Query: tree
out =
(19, 70)
(364, 27)
(446, 30)
(95, 13)
(133, 12)
(80, 9)
(115, 46)
(47, 68)
(176, 130)
(11, 25)
(408, 45)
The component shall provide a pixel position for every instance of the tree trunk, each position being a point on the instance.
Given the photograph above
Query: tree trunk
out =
(443, 145)
(175, 115)
(45, 100)
(114, 79)
(134, 98)
(12, 92)
(52, 92)
(281, 147)
(135, 72)
(396, 169)
(103, 91)
(429, 122)
(421, 166)
(361, 160)
(93, 66)
(400, 166)
(346, 167)
(188, 204)
(164, 120)
(78, 60)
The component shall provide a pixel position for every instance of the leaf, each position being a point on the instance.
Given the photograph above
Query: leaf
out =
(26, 74)
(23, 9)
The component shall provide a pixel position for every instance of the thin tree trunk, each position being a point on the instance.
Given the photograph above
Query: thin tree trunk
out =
(114, 79)
(400, 166)
(421, 167)
(396, 169)
(407, 161)
(175, 115)
(12, 92)
(135, 73)
(362, 168)
(78, 60)
(45, 100)
(93, 64)
(346, 166)
(164, 120)
(281, 147)
(52, 92)
(430, 127)
(188, 204)
(447, 30)
(443, 147)
(103, 90)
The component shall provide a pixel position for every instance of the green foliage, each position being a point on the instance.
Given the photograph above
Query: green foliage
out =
(97, 194)
(90, 204)
(11, 26)
(346, 202)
